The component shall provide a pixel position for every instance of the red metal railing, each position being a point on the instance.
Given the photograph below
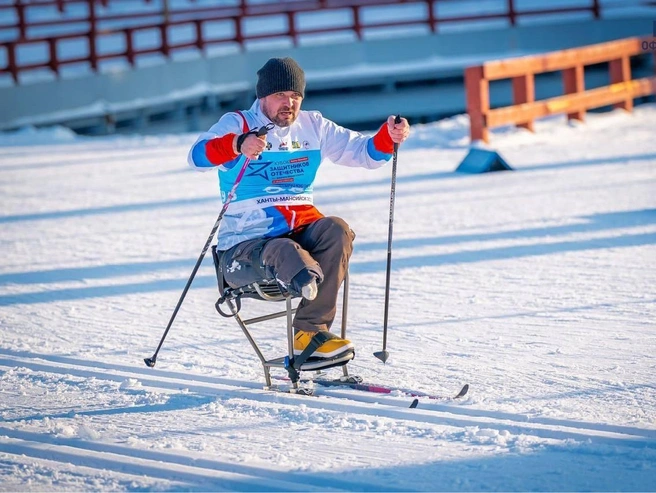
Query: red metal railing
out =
(95, 25)
(576, 99)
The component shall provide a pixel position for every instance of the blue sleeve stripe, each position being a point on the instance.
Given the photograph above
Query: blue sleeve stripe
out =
(375, 154)
(231, 164)
(199, 157)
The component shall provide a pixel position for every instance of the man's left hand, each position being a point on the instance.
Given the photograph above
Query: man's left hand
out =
(398, 131)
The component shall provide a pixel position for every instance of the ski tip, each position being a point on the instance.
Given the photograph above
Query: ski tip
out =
(463, 391)
(414, 404)
(150, 362)
(382, 355)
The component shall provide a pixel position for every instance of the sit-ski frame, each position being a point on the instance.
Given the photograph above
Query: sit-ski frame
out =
(270, 291)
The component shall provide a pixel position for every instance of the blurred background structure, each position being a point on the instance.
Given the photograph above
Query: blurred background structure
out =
(151, 66)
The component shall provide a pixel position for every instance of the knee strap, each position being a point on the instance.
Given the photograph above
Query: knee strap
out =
(217, 256)
(256, 261)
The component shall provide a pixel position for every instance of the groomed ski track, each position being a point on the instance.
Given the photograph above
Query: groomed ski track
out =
(195, 471)
(340, 400)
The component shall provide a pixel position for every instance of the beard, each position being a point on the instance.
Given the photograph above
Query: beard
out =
(284, 117)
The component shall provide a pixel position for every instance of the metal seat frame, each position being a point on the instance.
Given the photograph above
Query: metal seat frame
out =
(271, 291)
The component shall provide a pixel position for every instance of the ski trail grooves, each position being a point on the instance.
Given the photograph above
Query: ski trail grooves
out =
(356, 402)
(193, 470)
(128, 462)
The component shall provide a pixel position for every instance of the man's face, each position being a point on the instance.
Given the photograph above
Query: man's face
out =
(282, 107)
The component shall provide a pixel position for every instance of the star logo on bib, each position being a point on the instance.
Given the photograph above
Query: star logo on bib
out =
(260, 169)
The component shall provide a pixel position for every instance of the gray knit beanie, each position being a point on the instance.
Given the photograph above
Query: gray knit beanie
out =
(279, 75)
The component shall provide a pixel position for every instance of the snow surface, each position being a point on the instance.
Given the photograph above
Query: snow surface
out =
(535, 286)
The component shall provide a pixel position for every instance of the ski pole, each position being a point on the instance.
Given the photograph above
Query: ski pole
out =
(152, 360)
(383, 355)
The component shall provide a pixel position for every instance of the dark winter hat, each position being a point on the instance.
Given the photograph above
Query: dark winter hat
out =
(278, 75)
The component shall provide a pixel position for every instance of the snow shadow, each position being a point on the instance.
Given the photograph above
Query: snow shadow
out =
(625, 159)
(199, 474)
(214, 199)
(73, 158)
(438, 175)
(98, 272)
(175, 402)
(113, 209)
(644, 436)
(442, 175)
(526, 313)
(503, 253)
(70, 294)
(513, 467)
(94, 368)
(591, 224)
(519, 467)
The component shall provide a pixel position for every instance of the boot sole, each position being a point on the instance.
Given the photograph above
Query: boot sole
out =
(321, 363)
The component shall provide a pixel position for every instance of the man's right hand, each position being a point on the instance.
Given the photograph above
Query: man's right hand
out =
(251, 145)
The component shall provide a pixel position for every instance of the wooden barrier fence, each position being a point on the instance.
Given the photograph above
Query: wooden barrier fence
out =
(571, 63)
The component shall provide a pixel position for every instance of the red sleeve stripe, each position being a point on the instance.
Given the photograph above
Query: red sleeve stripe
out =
(244, 125)
(382, 140)
(219, 150)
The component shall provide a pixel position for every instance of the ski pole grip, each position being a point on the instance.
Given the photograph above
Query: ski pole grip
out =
(259, 133)
(265, 129)
(397, 120)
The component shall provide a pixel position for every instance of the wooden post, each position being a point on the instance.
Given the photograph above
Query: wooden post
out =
(477, 91)
(524, 92)
(432, 16)
(93, 54)
(596, 11)
(200, 40)
(512, 14)
(356, 21)
(291, 27)
(53, 63)
(573, 82)
(11, 61)
(165, 48)
(239, 35)
(22, 26)
(620, 71)
(129, 46)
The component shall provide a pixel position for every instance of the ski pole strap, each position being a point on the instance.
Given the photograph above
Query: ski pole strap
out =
(242, 138)
(315, 343)
(259, 132)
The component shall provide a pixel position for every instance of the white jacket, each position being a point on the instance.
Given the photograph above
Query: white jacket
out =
(274, 195)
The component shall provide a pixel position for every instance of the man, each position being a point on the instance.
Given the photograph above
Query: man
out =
(271, 229)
